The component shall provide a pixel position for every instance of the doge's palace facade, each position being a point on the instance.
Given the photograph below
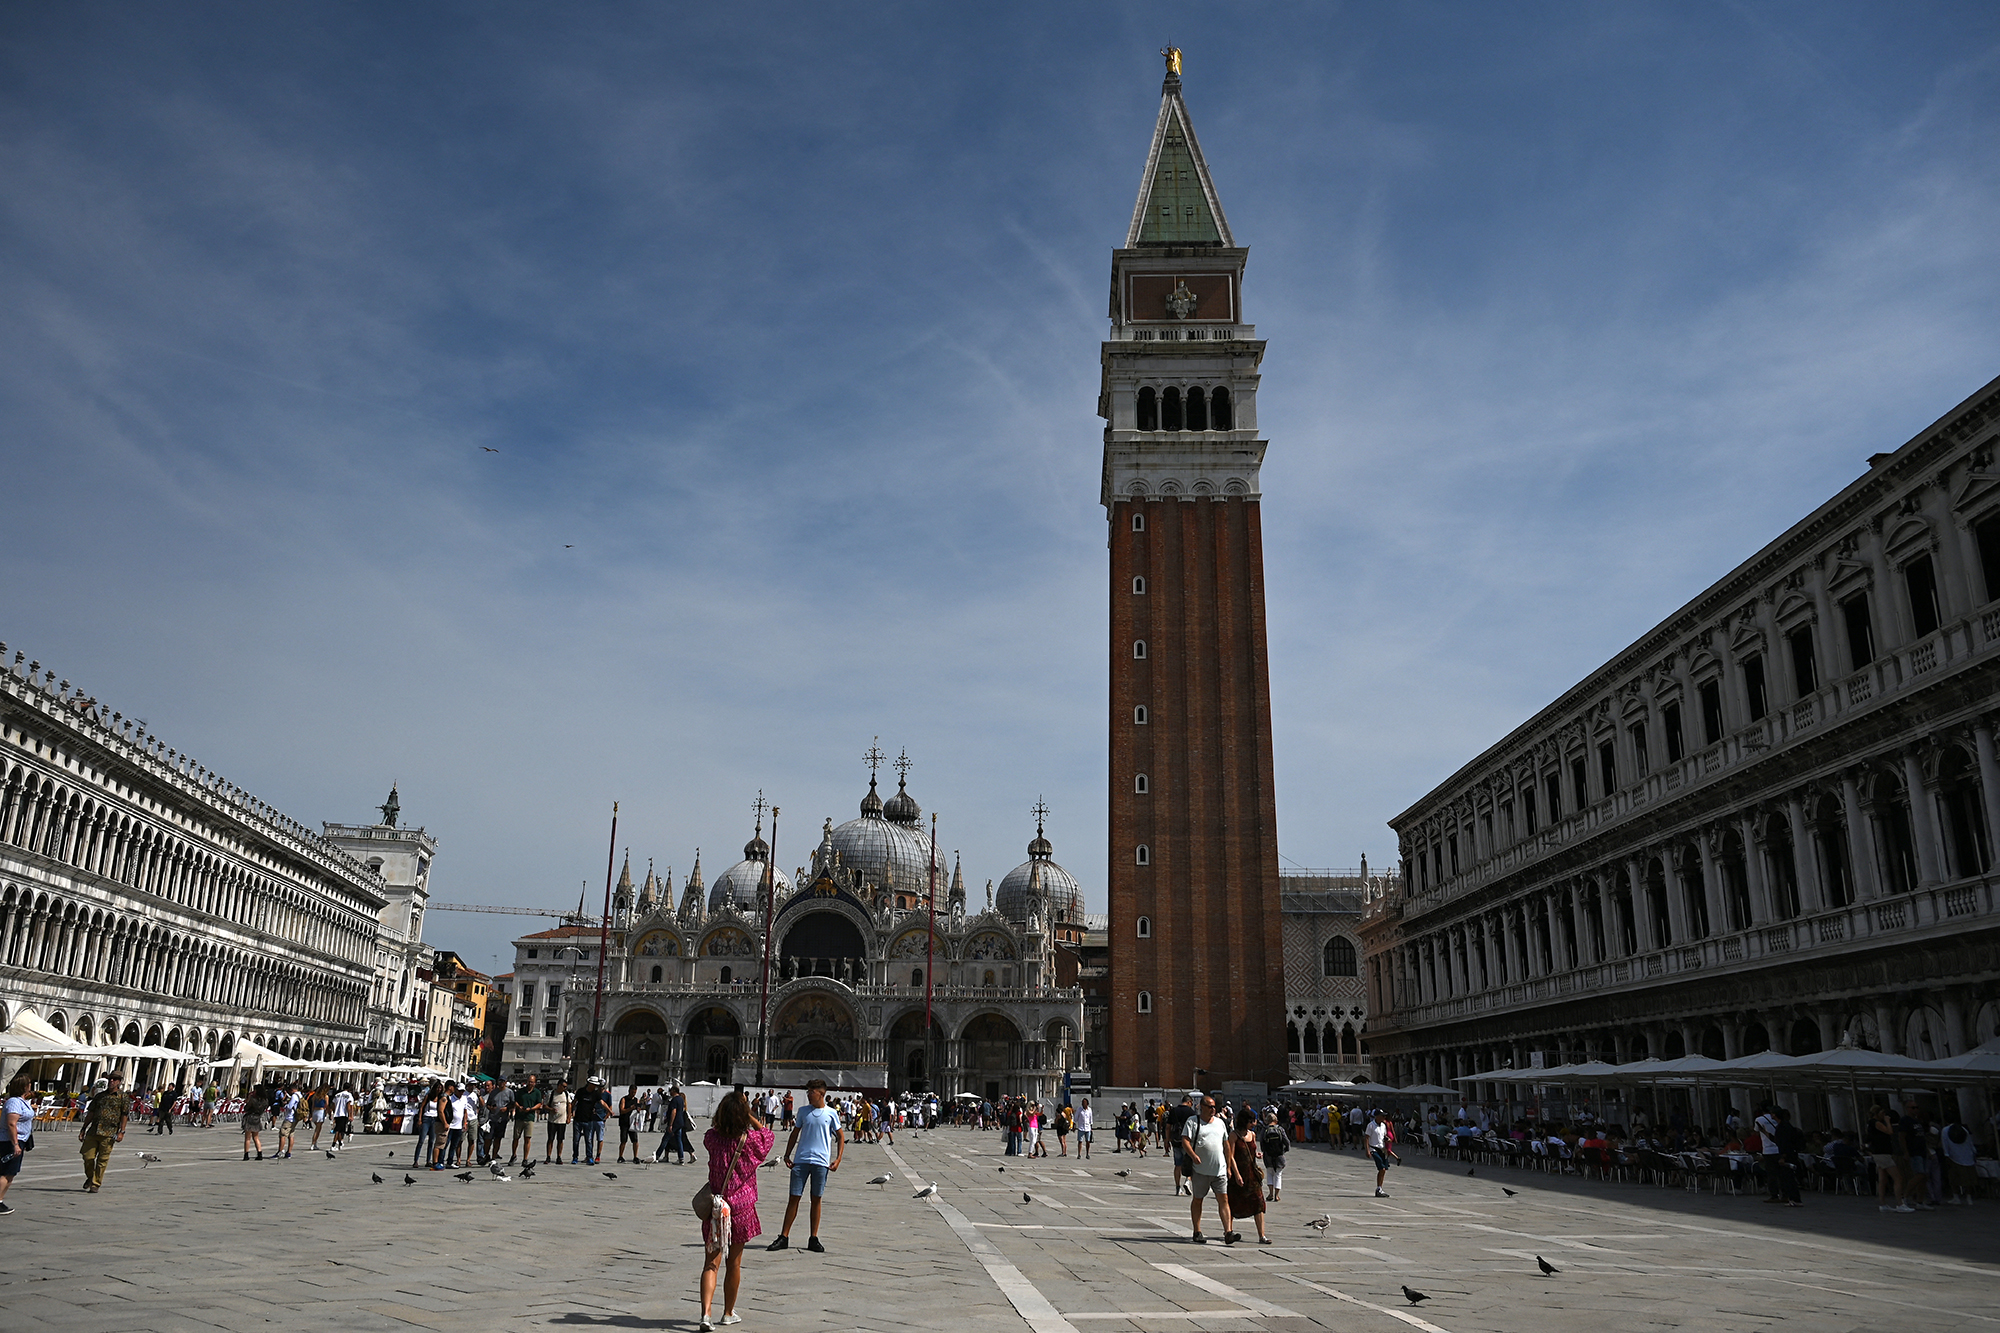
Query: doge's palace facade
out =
(144, 899)
(1769, 824)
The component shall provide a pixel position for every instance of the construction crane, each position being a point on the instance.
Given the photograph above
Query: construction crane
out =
(508, 911)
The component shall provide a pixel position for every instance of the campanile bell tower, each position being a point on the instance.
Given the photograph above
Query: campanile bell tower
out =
(1197, 954)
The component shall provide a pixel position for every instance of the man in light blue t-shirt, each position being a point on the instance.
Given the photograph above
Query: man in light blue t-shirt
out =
(815, 1148)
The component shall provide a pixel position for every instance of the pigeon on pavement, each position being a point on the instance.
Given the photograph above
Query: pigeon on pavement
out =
(611, 1175)
(1121, 1174)
(1546, 1266)
(1027, 1197)
(375, 1176)
(1413, 1296)
(1469, 1170)
(1509, 1193)
(409, 1179)
(465, 1176)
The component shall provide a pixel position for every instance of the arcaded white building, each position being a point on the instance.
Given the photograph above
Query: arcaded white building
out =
(1767, 824)
(148, 901)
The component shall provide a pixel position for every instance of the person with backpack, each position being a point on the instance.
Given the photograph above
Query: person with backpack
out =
(1275, 1143)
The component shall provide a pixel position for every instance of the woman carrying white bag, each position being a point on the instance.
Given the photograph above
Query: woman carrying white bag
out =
(737, 1144)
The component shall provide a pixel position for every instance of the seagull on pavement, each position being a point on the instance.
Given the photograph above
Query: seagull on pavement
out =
(148, 1159)
(1121, 1174)
(925, 1192)
(1322, 1222)
(879, 1180)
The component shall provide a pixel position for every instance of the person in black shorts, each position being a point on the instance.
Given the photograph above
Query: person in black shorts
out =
(1176, 1129)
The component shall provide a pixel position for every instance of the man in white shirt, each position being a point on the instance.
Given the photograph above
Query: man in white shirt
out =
(343, 1111)
(1375, 1139)
(1084, 1120)
(1206, 1140)
(1767, 1134)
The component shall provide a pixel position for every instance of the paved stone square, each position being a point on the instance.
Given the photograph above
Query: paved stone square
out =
(205, 1241)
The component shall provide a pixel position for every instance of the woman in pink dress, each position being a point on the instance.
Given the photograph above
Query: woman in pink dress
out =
(737, 1145)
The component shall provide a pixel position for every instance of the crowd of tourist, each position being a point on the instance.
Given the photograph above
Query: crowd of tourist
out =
(1909, 1159)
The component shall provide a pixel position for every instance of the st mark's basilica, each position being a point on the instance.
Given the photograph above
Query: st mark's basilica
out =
(852, 946)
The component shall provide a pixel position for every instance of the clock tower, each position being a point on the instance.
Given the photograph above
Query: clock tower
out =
(1197, 955)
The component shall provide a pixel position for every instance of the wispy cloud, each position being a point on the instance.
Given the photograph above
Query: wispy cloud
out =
(784, 325)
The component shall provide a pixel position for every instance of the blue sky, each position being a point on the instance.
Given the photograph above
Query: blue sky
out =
(783, 321)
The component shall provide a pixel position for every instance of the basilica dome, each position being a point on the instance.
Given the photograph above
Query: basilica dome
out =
(740, 884)
(1062, 896)
(887, 842)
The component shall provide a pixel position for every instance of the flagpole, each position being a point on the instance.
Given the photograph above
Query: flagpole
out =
(603, 938)
(770, 913)
(930, 967)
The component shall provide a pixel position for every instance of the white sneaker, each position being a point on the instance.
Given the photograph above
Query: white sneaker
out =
(732, 1319)
(1381, 1194)
(706, 1326)
(1902, 1208)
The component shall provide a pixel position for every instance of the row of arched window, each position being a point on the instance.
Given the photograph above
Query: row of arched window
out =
(216, 1044)
(1195, 408)
(38, 814)
(1687, 892)
(1342, 1043)
(47, 933)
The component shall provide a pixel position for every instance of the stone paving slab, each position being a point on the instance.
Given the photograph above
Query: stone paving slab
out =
(207, 1242)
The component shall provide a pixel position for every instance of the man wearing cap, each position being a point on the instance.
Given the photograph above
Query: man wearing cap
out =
(591, 1109)
(103, 1127)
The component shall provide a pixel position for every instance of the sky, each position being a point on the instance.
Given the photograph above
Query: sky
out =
(544, 406)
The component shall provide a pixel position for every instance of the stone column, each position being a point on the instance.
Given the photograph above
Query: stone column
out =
(1536, 967)
(1812, 895)
(1753, 870)
(1642, 914)
(1989, 780)
(1511, 946)
(1677, 913)
(1860, 840)
(1713, 888)
(1890, 1040)
(1923, 822)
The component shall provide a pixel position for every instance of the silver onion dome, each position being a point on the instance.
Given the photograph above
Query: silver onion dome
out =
(741, 883)
(902, 808)
(879, 848)
(1062, 897)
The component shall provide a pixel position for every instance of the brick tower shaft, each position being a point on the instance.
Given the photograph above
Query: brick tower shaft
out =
(1197, 957)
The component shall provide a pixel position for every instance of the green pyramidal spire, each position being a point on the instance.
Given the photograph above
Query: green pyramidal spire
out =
(1177, 202)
